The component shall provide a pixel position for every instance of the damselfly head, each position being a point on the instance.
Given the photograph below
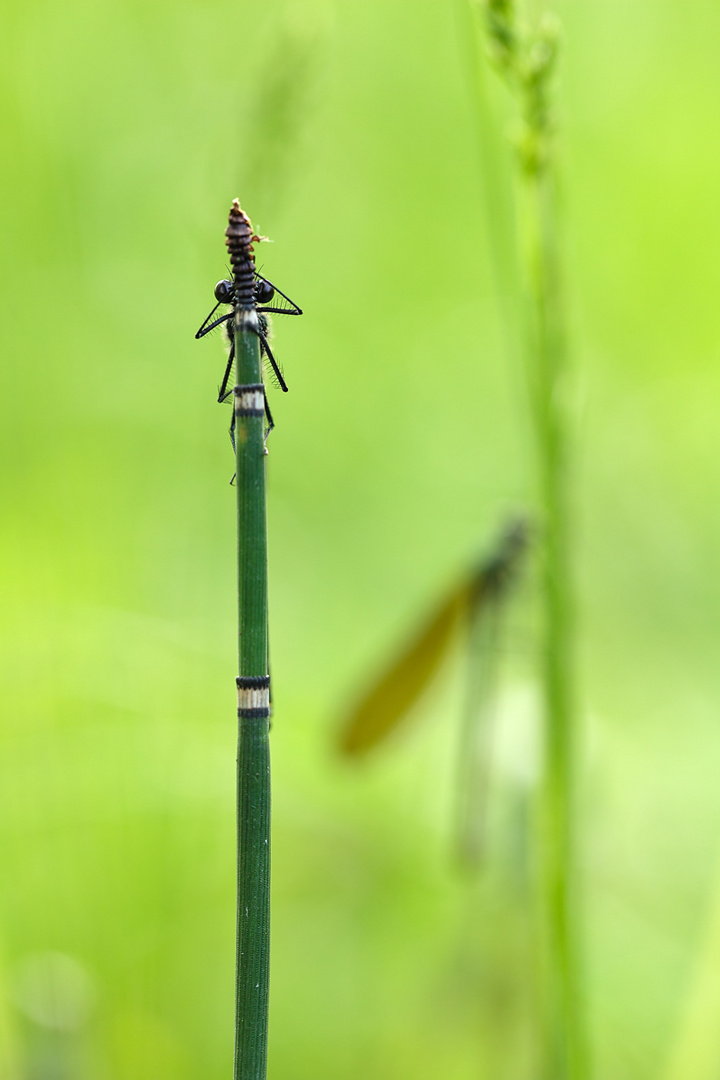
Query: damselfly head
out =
(224, 292)
(499, 570)
(264, 291)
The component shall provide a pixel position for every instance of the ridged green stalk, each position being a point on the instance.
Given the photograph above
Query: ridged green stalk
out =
(251, 514)
(253, 760)
(564, 994)
(525, 58)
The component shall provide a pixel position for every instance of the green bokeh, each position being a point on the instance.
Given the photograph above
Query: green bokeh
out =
(347, 131)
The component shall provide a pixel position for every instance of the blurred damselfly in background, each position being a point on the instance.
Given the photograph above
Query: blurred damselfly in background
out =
(471, 615)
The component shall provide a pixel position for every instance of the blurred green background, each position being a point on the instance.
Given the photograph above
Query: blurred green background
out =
(347, 130)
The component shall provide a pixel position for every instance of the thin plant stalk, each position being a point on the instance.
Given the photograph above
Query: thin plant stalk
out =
(558, 884)
(253, 760)
(526, 61)
(496, 177)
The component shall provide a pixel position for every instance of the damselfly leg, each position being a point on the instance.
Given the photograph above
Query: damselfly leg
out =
(266, 349)
(264, 292)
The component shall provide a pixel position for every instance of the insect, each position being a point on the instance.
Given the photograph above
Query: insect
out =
(474, 609)
(265, 292)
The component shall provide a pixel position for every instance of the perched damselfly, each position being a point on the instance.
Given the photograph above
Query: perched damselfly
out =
(472, 610)
(264, 293)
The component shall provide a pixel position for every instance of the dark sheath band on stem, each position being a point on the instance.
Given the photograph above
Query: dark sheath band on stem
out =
(249, 400)
(253, 697)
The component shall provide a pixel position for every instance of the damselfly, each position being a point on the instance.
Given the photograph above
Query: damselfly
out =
(473, 608)
(265, 292)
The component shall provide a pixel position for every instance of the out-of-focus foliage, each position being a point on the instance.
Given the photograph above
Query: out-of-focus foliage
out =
(347, 131)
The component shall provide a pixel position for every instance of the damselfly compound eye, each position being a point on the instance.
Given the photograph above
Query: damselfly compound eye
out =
(224, 292)
(264, 291)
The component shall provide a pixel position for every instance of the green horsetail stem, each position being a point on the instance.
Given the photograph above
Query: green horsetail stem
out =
(253, 760)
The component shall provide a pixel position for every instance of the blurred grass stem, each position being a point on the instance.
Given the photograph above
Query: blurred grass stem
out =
(526, 59)
(496, 177)
(558, 857)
